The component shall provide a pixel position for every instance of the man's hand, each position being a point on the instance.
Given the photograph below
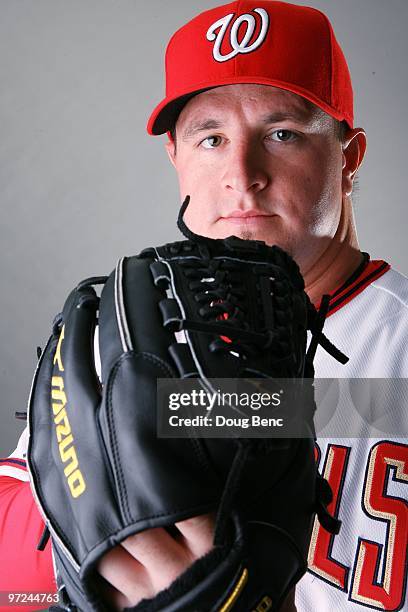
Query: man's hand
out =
(148, 562)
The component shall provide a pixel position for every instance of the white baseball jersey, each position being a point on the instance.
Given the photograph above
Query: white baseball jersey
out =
(365, 566)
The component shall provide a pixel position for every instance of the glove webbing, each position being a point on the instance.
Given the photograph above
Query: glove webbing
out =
(316, 319)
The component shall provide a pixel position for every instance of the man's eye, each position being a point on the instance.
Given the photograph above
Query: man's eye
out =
(282, 135)
(208, 143)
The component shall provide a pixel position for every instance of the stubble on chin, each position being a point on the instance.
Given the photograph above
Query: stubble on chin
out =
(285, 240)
(246, 234)
(279, 236)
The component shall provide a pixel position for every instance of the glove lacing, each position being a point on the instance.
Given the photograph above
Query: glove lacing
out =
(220, 296)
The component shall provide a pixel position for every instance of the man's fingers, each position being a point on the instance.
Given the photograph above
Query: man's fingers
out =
(198, 533)
(149, 561)
(126, 574)
(162, 556)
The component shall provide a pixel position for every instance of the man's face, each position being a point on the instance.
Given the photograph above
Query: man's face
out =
(261, 163)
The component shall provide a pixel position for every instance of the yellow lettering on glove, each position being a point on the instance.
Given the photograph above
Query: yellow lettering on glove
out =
(75, 479)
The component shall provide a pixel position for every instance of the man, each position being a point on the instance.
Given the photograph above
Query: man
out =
(259, 115)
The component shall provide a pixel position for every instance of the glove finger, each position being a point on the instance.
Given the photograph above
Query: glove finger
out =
(68, 461)
(74, 359)
(40, 414)
(74, 370)
(130, 317)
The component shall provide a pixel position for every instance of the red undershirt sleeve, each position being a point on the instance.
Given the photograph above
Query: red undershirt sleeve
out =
(23, 567)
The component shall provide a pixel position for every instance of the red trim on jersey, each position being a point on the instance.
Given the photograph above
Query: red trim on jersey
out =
(373, 270)
(14, 462)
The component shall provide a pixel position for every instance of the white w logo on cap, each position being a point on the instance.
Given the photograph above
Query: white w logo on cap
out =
(237, 47)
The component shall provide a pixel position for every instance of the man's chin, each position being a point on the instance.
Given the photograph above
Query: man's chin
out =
(273, 235)
(247, 234)
(271, 239)
(267, 229)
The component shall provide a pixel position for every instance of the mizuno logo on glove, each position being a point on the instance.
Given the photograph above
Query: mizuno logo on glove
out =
(75, 479)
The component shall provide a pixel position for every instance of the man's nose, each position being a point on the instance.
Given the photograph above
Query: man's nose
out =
(244, 169)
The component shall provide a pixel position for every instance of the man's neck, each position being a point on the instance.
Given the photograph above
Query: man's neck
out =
(333, 275)
(338, 262)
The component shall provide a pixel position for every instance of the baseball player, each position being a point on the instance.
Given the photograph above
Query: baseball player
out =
(259, 117)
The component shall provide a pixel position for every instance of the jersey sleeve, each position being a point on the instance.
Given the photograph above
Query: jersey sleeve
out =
(24, 569)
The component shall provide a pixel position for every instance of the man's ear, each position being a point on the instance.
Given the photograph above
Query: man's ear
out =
(171, 151)
(354, 147)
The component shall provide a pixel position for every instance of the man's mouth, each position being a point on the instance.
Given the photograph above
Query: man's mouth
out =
(249, 217)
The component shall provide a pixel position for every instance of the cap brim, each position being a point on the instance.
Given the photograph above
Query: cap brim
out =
(164, 116)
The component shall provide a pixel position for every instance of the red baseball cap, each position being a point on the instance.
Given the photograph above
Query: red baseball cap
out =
(263, 42)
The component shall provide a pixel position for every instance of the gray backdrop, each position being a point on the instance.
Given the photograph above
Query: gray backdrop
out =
(82, 183)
